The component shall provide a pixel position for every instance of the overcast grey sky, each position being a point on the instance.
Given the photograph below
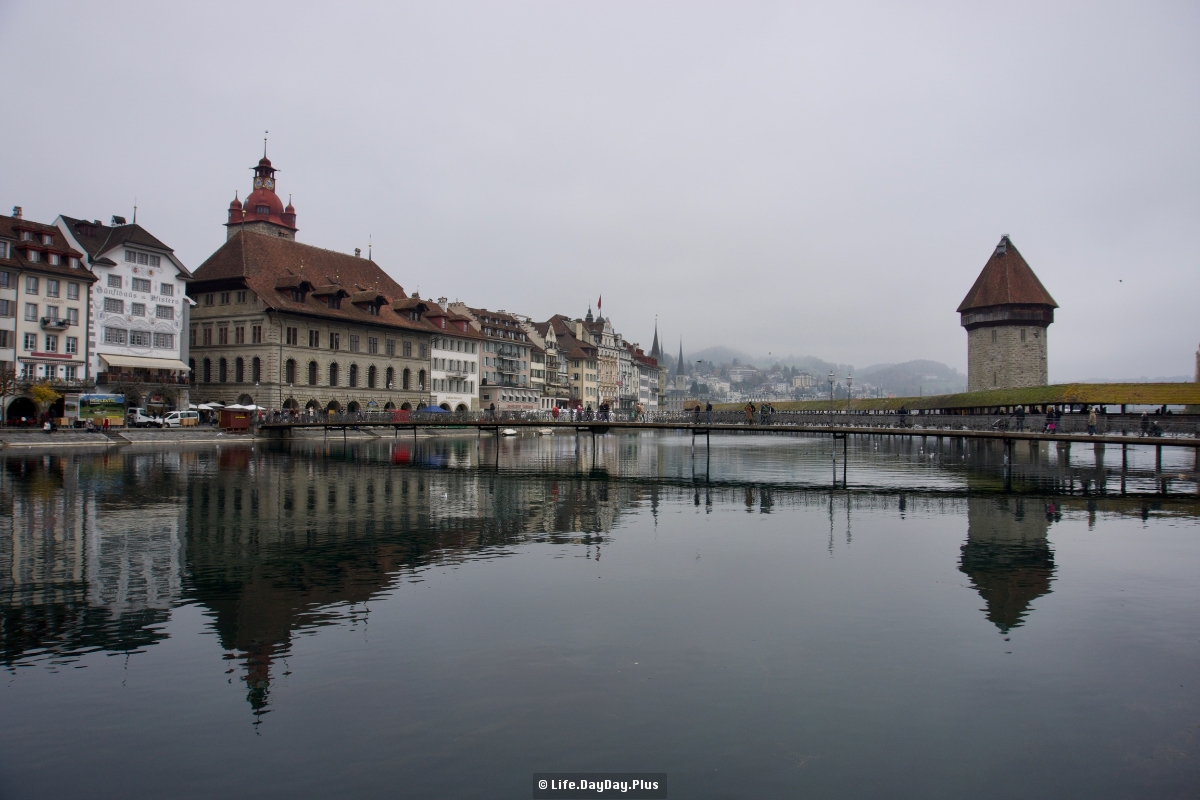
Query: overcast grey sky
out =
(821, 179)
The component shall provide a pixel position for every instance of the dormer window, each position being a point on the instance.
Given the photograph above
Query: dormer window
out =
(372, 309)
(414, 315)
(74, 262)
(334, 301)
(26, 236)
(52, 258)
(262, 209)
(297, 295)
(47, 239)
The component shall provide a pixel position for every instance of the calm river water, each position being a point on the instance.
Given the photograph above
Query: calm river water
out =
(443, 618)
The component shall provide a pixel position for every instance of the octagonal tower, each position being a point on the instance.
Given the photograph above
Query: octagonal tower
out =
(1006, 314)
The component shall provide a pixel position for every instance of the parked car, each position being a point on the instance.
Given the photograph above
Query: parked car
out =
(138, 418)
(181, 419)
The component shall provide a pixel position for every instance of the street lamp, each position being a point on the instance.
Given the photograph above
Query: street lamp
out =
(831, 390)
(849, 390)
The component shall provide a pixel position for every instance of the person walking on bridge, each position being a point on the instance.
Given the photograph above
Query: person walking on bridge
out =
(708, 412)
(1092, 421)
(749, 413)
(1020, 415)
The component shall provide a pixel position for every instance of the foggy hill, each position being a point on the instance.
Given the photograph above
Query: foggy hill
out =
(914, 378)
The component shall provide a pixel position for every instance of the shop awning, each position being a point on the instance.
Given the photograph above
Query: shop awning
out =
(141, 362)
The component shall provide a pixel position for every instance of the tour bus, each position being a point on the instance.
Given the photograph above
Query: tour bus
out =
(80, 408)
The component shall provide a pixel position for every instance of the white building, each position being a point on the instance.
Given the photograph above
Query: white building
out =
(139, 307)
(454, 359)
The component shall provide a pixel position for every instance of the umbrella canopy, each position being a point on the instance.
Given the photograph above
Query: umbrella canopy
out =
(434, 410)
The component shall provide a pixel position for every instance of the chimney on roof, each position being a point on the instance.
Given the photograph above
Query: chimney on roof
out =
(358, 252)
(96, 222)
(416, 295)
(442, 301)
(17, 211)
(117, 220)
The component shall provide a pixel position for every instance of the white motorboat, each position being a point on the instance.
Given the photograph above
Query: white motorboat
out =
(508, 432)
(545, 431)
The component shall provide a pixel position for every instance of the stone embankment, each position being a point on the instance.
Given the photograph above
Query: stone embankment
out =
(34, 437)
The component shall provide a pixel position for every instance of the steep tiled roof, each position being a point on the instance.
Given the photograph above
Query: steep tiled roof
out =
(10, 228)
(1006, 280)
(105, 238)
(564, 331)
(271, 265)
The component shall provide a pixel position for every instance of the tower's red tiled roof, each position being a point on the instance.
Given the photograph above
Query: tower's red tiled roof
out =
(1006, 280)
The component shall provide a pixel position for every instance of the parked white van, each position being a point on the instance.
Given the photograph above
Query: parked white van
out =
(138, 418)
(181, 419)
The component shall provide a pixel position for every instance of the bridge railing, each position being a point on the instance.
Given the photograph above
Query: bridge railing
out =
(1132, 424)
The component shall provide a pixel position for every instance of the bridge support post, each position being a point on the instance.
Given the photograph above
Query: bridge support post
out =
(1124, 464)
(1008, 458)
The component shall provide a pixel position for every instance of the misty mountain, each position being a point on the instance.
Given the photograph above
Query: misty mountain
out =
(718, 355)
(914, 378)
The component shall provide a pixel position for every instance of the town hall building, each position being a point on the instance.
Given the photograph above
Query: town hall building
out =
(282, 324)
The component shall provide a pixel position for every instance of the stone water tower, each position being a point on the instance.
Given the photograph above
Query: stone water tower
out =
(1006, 314)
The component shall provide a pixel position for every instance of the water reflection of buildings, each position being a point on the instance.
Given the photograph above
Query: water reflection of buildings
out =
(82, 568)
(272, 540)
(1007, 555)
(279, 540)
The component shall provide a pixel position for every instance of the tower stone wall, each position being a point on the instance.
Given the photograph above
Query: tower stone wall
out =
(1007, 314)
(260, 226)
(1006, 357)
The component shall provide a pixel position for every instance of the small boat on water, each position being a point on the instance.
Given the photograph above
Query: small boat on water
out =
(508, 432)
(545, 431)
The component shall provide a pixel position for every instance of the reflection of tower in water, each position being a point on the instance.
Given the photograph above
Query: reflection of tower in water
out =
(1007, 556)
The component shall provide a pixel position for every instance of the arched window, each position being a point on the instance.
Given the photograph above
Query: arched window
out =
(208, 370)
(353, 376)
(256, 369)
(421, 380)
(333, 374)
(407, 379)
(391, 378)
(289, 371)
(312, 373)
(239, 370)
(371, 377)
(222, 371)
(191, 370)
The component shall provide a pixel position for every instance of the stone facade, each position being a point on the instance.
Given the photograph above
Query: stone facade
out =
(276, 367)
(1006, 357)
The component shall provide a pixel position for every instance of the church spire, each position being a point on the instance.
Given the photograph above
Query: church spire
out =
(681, 369)
(656, 350)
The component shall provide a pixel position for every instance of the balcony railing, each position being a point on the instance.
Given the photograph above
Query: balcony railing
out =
(24, 384)
(55, 323)
(110, 378)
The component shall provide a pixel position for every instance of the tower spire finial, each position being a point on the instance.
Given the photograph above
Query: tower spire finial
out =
(265, 143)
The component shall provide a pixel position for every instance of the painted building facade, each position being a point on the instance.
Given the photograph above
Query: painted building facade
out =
(43, 310)
(139, 309)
